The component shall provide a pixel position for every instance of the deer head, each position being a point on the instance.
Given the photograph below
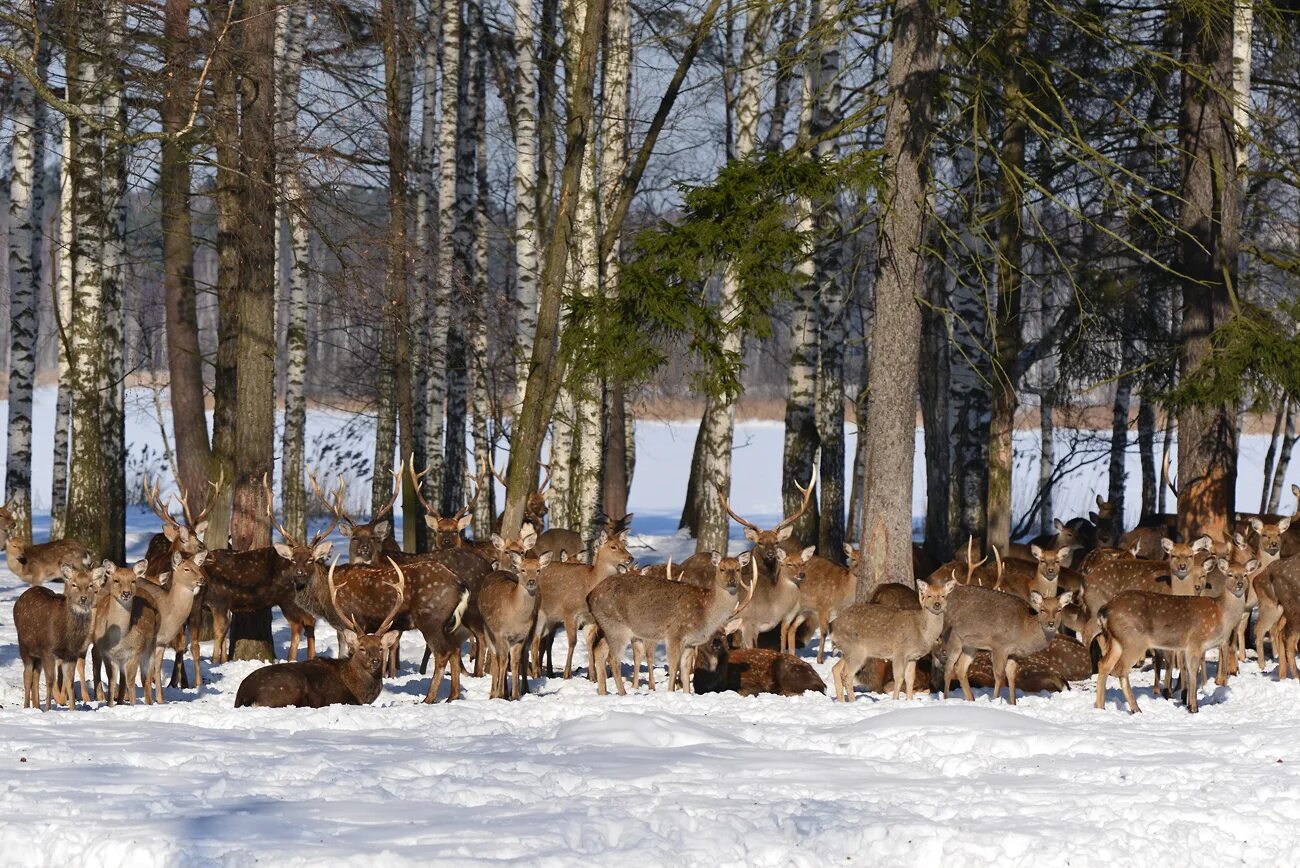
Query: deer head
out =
(120, 582)
(370, 650)
(536, 508)
(185, 538)
(1049, 609)
(186, 572)
(448, 530)
(7, 523)
(521, 546)
(1050, 561)
(305, 559)
(528, 571)
(366, 541)
(1104, 520)
(1182, 556)
(766, 542)
(792, 567)
(81, 586)
(1270, 537)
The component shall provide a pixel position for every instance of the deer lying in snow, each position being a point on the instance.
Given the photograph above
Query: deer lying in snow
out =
(316, 683)
(751, 671)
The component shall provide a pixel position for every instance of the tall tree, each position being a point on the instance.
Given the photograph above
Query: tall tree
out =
(1008, 338)
(254, 441)
(890, 433)
(291, 39)
(1210, 237)
(88, 483)
(484, 506)
(526, 191)
(184, 355)
(719, 423)
(63, 281)
(26, 183)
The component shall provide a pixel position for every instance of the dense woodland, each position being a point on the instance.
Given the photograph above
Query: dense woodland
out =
(515, 223)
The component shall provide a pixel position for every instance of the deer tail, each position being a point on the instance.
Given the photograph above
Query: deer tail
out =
(453, 623)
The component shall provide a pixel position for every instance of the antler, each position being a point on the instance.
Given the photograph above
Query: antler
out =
(270, 513)
(541, 487)
(397, 491)
(207, 509)
(475, 490)
(669, 568)
(153, 497)
(997, 556)
(731, 512)
(1164, 473)
(400, 587)
(415, 481)
(753, 583)
(971, 566)
(334, 598)
(807, 500)
(492, 467)
(335, 509)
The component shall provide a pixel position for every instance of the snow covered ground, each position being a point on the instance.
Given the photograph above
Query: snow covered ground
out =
(566, 777)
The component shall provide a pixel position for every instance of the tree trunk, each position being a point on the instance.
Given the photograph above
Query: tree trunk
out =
(617, 472)
(1209, 224)
(800, 448)
(787, 63)
(1118, 472)
(184, 356)
(88, 484)
(1146, 448)
(1283, 461)
(1010, 261)
(1046, 459)
(547, 369)
(717, 429)
(526, 241)
(829, 232)
(890, 434)
(293, 492)
(113, 374)
(693, 504)
(936, 412)
(480, 400)
(25, 234)
(63, 323)
(1270, 457)
(440, 315)
(255, 342)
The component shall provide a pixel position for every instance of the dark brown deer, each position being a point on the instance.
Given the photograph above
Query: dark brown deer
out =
(369, 542)
(535, 508)
(186, 538)
(448, 532)
(751, 672)
(353, 680)
(54, 631)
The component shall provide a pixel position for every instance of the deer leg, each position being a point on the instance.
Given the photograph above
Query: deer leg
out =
(1190, 672)
(49, 666)
(1104, 668)
(999, 658)
(951, 652)
(909, 673)
(516, 670)
(614, 657)
(99, 666)
(1127, 660)
(220, 623)
(963, 666)
(597, 667)
(899, 665)
(1012, 668)
(81, 677)
(295, 633)
(571, 634)
(435, 682)
(651, 646)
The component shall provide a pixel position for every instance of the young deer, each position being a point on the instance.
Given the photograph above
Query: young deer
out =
(563, 597)
(316, 683)
(775, 604)
(628, 606)
(174, 597)
(54, 630)
(900, 636)
(827, 589)
(126, 627)
(1135, 621)
(751, 671)
(980, 619)
(508, 604)
(38, 563)
(1178, 574)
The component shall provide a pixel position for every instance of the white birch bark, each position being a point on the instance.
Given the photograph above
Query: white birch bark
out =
(24, 284)
(525, 188)
(477, 356)
(290, 41)
(63, 326)
(426, 223)
(1243, 21)
(720, 412)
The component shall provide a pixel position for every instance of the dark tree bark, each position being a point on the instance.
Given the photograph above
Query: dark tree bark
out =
(255, 343)
(616, 477)
(184, 359)
(890, 435)
(935, 416)
(1210, 227)
(1147, 449)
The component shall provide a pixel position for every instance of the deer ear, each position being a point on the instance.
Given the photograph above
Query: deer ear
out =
(622, 569)
(170, 531)
(1066, 599)
(544, 560)
(1238, 540)
(1283, 524)
(67, 571)
(1256, 525)
(1167, 544)
(1058, 524)
(751, 534)
(1252, 565)
(744, 557)
(200, 529)
(322, 550)
(949, 585)
(715, 557)
(784, 533)
(346, 529)
(1202, 545)
(808, 553)
(516, 560)
(381, 529)
(1037, 552)
(1035, 600)
(284, 551)
(848, 551)
(564, 556)
(108, 567)
(200, 556)
(1063, 553)
(140, 568)
(390, 638)
(431, 522)
(177, 557)
(165, 580)
(464, 522)
(497, 542)
(781, 556)
(1101, 504)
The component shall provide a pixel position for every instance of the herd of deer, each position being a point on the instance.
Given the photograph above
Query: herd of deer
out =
(1028, 620)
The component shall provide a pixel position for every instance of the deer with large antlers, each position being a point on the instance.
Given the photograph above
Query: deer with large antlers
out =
(447, 532)
(536, 507)
(370, 541)
(185, 538)
(353, 680)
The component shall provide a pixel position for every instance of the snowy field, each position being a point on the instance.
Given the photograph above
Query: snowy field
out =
(566, 777)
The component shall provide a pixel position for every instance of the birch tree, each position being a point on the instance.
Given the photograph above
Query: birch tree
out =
(720, 411)
(63, 320)
(484, 509)
(526, 191)
(112, 387)
(26, 181)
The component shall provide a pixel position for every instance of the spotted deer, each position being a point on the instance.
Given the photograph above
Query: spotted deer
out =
(1137, 621)
(563, 597)
(353, 680)
(175, 536)
(370, 541)
(448, 532)
(54, 631)
(751, 671)
(629, 605)
(901, 636)
(826, 590)
(1177, 574)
